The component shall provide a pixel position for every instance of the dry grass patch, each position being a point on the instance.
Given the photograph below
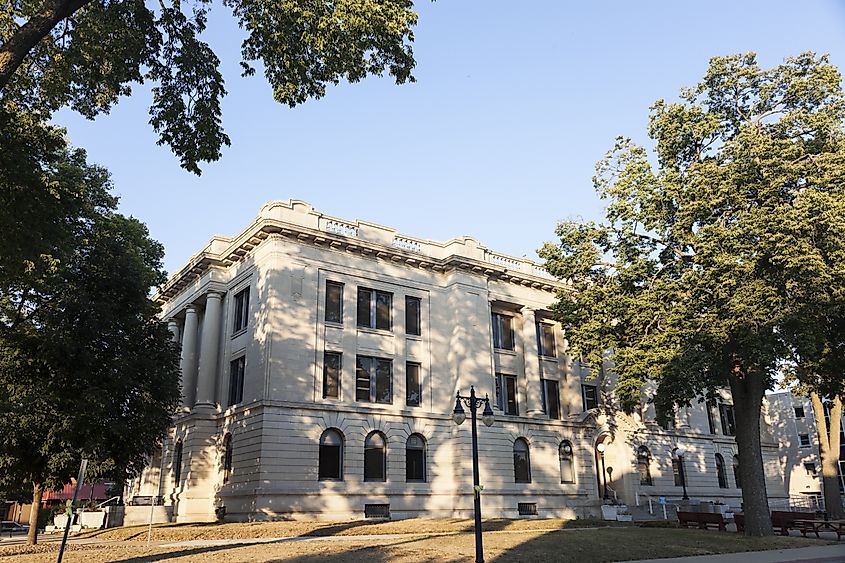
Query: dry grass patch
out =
(609, 544)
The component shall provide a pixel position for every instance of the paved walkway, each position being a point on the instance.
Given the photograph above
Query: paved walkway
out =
(824, 554)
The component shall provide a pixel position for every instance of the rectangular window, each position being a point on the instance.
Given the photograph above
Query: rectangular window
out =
(502, 331)
(413, 385)
(710, 406)
(413, 306)
(374, 308)
(334, 302)
(810, 468)
(805, 440)
(546, 339)
(726, 414)
(506, 398)
(241, 310)
(236, 380)
(551, 398)
(331, 375)
(590, 396)
(799, 412)
(373, 380)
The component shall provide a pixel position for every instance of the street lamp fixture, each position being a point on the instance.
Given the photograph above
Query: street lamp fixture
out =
(601, 449)
(487, 417)
(679, 453)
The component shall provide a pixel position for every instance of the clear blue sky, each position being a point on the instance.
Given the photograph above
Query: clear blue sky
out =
(514, 104)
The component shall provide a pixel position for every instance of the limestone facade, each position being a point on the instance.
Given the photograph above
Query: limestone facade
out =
(306, 337)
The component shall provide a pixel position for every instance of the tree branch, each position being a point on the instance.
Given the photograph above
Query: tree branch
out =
(14, 51)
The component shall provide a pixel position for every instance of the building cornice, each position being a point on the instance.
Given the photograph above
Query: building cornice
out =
(299, 222)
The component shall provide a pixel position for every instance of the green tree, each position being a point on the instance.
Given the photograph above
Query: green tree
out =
(690, 280)
(85, 54)
(86, 368)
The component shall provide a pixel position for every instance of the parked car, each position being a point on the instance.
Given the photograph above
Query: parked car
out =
(8, 527)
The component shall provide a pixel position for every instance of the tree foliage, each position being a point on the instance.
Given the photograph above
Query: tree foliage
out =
(86, 368)
(711, 248)
(86, 54)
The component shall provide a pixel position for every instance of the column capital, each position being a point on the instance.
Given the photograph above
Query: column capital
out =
(214, 294)
(190, 308)
(527, 310)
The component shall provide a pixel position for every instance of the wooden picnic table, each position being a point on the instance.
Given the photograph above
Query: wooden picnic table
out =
(816, 526)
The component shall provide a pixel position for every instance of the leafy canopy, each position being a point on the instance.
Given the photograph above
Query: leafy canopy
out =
(710, 249)
(86, 368)
(86, 54)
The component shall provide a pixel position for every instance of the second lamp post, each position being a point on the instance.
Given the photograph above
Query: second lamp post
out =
(458, 415)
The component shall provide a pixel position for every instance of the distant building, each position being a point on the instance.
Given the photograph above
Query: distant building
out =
(320, 362)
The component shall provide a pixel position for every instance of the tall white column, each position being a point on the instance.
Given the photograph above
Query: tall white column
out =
(189, 356)
(211, 326)
(173, 327)
(531, 359)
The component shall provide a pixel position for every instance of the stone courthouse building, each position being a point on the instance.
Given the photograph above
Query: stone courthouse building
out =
(320, 362)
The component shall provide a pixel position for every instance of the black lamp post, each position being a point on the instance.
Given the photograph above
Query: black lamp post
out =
(458, 415)
(679, 452)
(601, 448)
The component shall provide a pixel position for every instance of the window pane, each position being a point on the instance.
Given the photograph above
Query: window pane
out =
(591, 396)
(415, 459)
(236, 380)
(384, 383)
(334, 302)
(497, 337)
(500, 397)
(510, 395)
(552, 398)
(364, 308)
(412, 315)
(546, 334)
(363, 365)
(241, 313)
(507, 333)
(331, 375)
(720, 472)
(374, 458)
(521, 464)
(412, 384)
(384, 301)
(330, 457)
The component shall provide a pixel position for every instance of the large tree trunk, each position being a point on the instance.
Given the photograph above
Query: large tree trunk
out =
(37, 493)
(747, 391)
(829, 453)
(17, 47)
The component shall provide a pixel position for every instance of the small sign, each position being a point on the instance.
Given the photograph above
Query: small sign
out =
(661, 500)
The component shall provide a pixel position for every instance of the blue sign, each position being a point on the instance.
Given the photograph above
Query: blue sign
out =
(661, 500)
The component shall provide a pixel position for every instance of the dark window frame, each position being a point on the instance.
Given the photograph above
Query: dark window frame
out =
(373, 379)
(413, 388)
(370, 453)
(241, 311)
(804, 441)
(374, 317)
(567, 462)
(228, 451)
(413, 326)
(721, 475)
(237, 369)
(552, 409)
(333, 312)
(727, 416)
(503, 332)
(521, 467)
(327, 374)
(797, 410)
(507, 394)
(420, 475)
(545, 340)
(177, 463)
(335, 450)
(586, 400)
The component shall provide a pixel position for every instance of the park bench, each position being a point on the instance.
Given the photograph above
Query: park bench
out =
(785, 520)
(702, 520)
(815, 526)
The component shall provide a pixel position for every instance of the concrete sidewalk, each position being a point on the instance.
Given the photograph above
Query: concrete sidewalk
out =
(823, 554)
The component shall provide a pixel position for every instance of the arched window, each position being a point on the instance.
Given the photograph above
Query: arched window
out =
(567, 466)
(331, 455)
(177, 463)
(227, 458)
(644, 466)
(415, 458)
(720, 472)
(736, 472)
(521, 461)
(375, 458)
